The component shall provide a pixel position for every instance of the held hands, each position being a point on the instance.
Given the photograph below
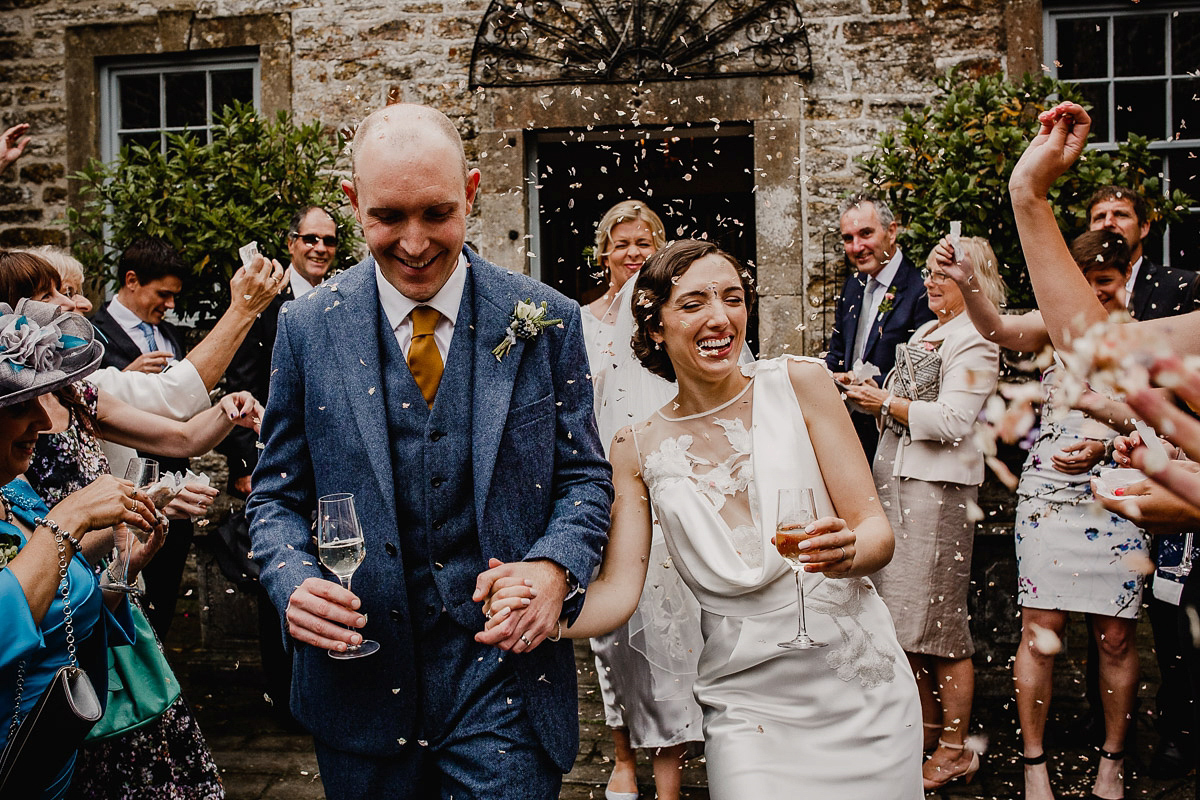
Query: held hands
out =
(242, 409)
(829, 548)
(1078, 458)
(1062, 137)
(253, 287)
(542, 583)
(153, 362)
(318, 612)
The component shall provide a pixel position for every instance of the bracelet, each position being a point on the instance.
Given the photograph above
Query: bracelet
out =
(58, 532)
(557, 633)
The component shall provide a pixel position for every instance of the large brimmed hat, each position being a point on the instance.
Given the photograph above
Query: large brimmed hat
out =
(42, 348)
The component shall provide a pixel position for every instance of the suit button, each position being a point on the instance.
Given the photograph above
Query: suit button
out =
(435, 435)
(430, 611)
(390, 548)
(436, 482)
(395, 615)
(437, 526)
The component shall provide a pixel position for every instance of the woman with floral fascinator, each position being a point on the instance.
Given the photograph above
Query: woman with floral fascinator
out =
(43, 349)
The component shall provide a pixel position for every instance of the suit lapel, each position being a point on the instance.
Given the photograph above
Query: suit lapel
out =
(494, 379)
(352, 317)
(118, 346)
(877, 323)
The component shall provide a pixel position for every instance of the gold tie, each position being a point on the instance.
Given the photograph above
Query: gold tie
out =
(424, 360)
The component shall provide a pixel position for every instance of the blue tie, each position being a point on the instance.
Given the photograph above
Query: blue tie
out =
(148, 331)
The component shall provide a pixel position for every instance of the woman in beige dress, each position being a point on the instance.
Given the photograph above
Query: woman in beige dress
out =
(928, 470)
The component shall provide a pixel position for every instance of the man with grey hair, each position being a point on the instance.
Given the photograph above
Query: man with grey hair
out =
(881, 305)
(389, 384)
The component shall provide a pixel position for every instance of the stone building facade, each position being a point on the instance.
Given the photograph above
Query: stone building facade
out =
(336, 60)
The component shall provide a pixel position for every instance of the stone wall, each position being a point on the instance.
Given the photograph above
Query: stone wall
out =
(336, 60)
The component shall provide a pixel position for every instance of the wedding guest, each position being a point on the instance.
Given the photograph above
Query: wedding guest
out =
(645, 685)
(928, 469)
(881, 305)
(711, 461)
(70, 273)
(40, 544)
(1068, 558)
(1069, 309)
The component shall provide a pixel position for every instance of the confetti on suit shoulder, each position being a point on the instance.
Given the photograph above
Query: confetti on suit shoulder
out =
(281, 565)
(371, 390)
(405, 405)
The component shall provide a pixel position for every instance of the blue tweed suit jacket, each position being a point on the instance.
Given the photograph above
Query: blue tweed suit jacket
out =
(542, 489)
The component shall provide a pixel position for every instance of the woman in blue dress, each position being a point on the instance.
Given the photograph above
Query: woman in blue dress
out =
(42, 349)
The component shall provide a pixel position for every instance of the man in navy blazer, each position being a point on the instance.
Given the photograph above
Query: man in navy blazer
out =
(888, 286)
(500, 458)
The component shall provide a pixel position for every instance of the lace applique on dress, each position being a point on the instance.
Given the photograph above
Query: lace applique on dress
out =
(858, 656)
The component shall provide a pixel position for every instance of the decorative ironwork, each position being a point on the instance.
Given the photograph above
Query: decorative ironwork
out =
(543, 42)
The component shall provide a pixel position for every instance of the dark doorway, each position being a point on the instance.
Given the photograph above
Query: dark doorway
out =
(699, 180)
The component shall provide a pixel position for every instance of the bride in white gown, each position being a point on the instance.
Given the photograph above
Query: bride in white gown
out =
(842, 721)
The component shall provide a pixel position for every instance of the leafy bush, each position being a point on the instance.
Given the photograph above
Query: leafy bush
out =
(952, 159)
(208, 200)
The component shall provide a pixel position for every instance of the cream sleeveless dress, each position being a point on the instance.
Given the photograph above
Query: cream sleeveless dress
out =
(843, 721)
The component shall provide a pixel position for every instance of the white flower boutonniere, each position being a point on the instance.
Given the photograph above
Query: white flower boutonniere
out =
(526, 322)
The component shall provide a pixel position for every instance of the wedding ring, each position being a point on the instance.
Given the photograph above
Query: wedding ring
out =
(525, 639)
(487, 615)
(843, 558)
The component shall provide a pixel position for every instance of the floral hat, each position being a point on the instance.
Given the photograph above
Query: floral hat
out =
(43, 348)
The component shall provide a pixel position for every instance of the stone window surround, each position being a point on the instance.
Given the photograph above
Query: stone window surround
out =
(168, 32)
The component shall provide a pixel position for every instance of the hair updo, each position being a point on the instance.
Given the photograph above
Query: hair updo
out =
(655, 280)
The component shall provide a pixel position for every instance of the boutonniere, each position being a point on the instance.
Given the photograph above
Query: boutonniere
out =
(526, 322)
(889, 300)
(10, 544)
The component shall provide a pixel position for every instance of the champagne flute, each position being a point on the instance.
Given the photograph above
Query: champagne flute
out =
(143, 473)
(340, 547)
(797, 510)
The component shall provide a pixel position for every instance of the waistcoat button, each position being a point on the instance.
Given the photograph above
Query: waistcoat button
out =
(390, 548)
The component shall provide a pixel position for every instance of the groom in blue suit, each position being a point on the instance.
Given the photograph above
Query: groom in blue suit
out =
(384, 384)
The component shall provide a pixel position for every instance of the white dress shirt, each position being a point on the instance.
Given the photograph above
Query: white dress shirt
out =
(129, 323)
(872, 300)
(1132, 279)
(398, 308)
(300, 286)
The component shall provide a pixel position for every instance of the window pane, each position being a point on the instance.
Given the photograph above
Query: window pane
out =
(1095, 98)
(1185, 243)
(1139, 44)
(1082, 48)
(186, 99)
(1185, 43)
(231, 84)
(1186, 108)
(149, 139)
(1141, 108)
(139, 101)
(1185, 173)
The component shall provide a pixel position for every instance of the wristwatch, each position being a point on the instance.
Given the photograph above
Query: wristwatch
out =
(887, 405)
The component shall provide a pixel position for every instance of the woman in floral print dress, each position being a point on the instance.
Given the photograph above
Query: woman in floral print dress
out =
(1072, 555)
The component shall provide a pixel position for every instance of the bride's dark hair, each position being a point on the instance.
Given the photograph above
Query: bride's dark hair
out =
(655, 280)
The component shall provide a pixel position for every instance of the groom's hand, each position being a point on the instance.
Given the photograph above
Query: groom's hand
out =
(318, 612)
(525, 629)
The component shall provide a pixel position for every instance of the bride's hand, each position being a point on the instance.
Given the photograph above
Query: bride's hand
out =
(504, 596)
(829, 547)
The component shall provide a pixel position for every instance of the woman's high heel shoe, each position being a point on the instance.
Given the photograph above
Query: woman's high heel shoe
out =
(934, 726)
(1033, 761)
(1117, 756)
(943, 777)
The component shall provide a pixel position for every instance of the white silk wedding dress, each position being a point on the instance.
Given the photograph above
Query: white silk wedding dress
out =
(842, 721)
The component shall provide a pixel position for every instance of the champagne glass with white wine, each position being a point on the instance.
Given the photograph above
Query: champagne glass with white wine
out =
(797, 510)
(143, 472)
(340, 547)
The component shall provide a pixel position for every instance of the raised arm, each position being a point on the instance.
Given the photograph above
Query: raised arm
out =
(123, 424)
(1025, 333)
(613, 595)
(251, 290)
(846, 474)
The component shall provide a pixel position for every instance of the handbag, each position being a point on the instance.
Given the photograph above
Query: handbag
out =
(917, 376)
(46, 739)
(141, 684)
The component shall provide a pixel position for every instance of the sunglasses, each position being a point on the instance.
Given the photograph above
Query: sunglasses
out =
(311, 239)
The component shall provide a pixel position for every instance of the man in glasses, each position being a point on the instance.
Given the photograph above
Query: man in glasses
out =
(312, 240)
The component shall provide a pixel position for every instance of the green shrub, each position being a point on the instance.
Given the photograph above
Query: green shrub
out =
(952, 159)
(208, 200)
